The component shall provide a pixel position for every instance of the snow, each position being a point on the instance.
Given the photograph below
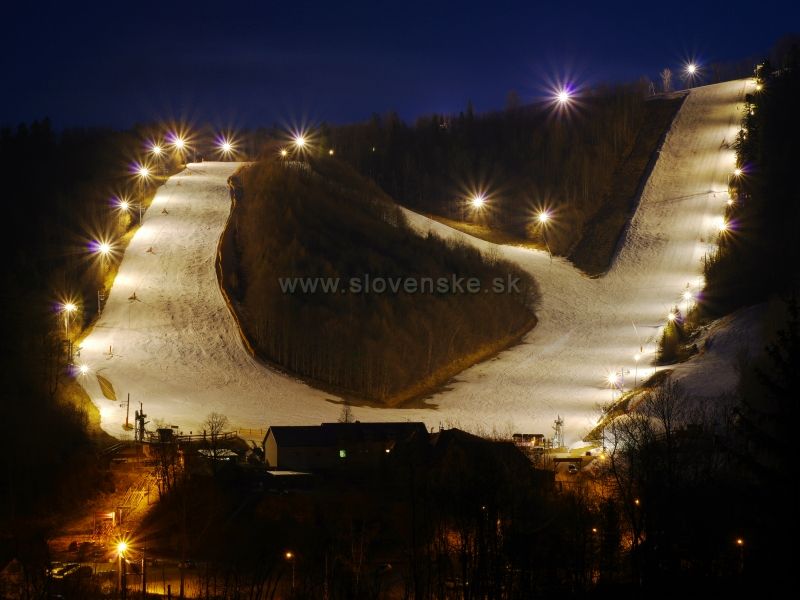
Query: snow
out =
(722, 347)
(177, 349)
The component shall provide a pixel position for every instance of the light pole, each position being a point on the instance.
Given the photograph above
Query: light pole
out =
(226, 147)
(103, 248)
(122, 547)
(691, 71)
(544, 219)
(158, 154)
(290, 557)
(67, 308)
(688, 297)
(477, 202)
(143, 173)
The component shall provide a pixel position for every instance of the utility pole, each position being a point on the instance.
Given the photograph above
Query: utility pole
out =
(127, 413)
(144, 575)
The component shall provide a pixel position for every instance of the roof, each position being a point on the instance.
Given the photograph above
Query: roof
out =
(331, 434)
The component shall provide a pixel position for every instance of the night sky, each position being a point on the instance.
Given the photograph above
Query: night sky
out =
(257, 63)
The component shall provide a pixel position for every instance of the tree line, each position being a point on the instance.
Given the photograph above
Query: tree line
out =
(578, 161)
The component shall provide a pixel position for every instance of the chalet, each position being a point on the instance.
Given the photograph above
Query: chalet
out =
(337, 445)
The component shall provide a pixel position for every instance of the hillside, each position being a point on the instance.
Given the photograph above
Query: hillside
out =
(584, 164)
(320, 219)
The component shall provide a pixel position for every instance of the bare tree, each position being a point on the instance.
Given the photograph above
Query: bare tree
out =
(346, 416)
(213, 428)
(666, 80)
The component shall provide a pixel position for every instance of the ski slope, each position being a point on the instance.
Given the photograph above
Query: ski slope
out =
(176, 348)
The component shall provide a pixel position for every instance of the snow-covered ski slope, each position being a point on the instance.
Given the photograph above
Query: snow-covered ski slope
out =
(176, 348)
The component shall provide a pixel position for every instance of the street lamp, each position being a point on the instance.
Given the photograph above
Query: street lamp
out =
(226, 146)
(613, 382)
(737, 172)
(121, 549)
(290, 557)
(636, 358)
(300, 141)
(688, 297)
(563, 96)
(68, 308)
(158, 154)
(544, 218)
(691, 72)
(478, 201)
(143, 175)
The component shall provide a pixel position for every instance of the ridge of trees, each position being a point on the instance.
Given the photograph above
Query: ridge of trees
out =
(321, 219)
(584, 165)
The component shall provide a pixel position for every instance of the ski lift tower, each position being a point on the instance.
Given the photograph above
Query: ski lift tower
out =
(558, 435)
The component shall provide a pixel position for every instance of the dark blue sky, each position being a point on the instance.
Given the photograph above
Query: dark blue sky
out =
(242, 63)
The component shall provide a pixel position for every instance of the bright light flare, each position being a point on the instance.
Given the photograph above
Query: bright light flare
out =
(691, 68)
(226, 145)
(121, 547)
(143, 172)
(300, 141)
(543, 217)
(123, 205)
(737, 172)
(721, 224)
(612, 379)
(69, 307)
(156, 150)
(687, 295)
(284, 152)
(289, 555)
(177, 140)
(671, 317)
(563, 96)
(83, 369)
(102, 247)
(478, 201)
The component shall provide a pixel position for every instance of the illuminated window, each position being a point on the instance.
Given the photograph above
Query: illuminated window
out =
(342, 453)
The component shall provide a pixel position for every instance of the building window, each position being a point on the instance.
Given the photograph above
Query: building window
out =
(342, 453)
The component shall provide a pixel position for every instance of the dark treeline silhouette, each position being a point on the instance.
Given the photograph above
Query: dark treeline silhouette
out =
(321, 219)
(759, 256)
(583, 162)
(688, 498)
(57, 188)
(59, 194)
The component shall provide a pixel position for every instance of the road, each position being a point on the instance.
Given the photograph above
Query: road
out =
(176, 348)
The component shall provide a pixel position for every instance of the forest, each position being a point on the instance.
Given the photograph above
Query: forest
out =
(583, 163)
(758, 256)
(58, 188)
(318, 218)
